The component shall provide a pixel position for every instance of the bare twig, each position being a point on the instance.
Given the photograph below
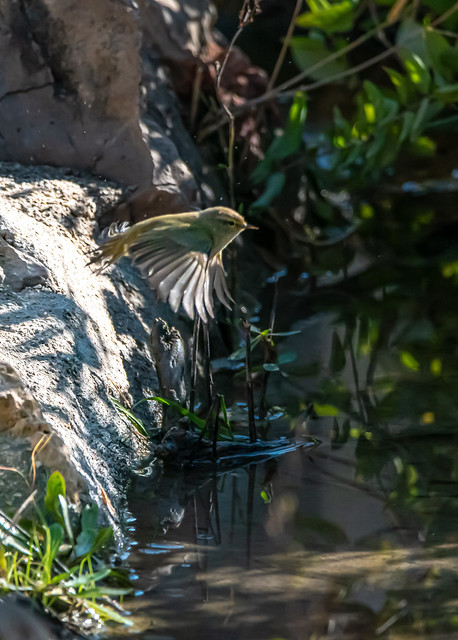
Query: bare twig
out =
(41, 444)
(276, 70)
(246, 16)
(280, 90)
(231, 118)
(269, 351)
(195, 93)
(277, 91)
(284, 49)
(381, 33)
(396, 10)
(24, 506)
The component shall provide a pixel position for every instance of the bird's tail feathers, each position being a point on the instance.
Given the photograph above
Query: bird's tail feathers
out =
(114, 245)
(115, 229)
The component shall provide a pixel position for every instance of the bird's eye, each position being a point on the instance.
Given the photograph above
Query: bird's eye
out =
(230, 223)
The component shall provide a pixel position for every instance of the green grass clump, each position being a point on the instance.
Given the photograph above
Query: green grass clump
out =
(52, 559)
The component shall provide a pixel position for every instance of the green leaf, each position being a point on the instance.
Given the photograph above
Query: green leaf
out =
(64, 508)
(131, 417)
(447, 94)
(420, 120)
(274, 186)
(311, 50)
(285, 333)
(450, 58)
(331, 18)
(240, 354)
(424, 146)
(342, 125)
(224, 412)
(375, 97)
(323, 410)
(289, 142)
(376, 146)
(410, 39)
(270, 366)
(417, 72)
(85, 541)
(102, 591)
(104, 535)
(284, 144)
(407, 119)
(88, 578)
(110, 614)
(438, 50)
(409, 361)
(55, 487)
(401, 84)
(89, 517)
(56, 537)
(179, 409)
(286, 357)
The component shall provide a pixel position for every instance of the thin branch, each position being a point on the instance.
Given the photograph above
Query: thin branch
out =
(286, 41)
(278, 91)
(274, 93)
(249, 383)
(246, 16)
(276, 71)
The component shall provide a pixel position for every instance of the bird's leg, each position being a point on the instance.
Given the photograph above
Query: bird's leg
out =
(208, 369)
(195, 346)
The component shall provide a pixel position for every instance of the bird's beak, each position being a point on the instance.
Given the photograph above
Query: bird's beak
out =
(250, 226)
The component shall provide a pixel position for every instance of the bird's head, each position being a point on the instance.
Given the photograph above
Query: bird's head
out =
(224, 225)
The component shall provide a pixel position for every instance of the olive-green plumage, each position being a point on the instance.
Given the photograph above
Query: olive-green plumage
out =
(180, 254)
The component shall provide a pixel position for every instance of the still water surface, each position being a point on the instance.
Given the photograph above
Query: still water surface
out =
(358, 537)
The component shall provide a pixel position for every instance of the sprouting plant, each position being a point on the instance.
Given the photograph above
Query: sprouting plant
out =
(201, 424)
(264, 339)
(53, 559)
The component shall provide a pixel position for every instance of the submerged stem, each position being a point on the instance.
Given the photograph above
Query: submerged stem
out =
(195, 346)
(249, 383)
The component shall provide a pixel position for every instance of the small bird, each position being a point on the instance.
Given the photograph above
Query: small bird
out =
(180, 254)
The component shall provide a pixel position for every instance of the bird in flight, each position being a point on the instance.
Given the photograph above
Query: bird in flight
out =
(180, 254)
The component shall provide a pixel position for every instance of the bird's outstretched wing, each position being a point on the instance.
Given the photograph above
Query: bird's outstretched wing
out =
(182, 276)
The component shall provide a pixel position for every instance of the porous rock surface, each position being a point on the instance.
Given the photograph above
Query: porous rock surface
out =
(74, 338)
(83, 84)
(91, 86)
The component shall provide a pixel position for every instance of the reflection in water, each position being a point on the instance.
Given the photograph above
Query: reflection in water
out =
(358, 538)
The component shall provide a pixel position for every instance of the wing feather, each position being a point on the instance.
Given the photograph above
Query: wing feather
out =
(217, 281)
(165, 279)
(155, 263)
(180, 286)
(208, 290)
(199, 296)
(190, 299)
(181, 276)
